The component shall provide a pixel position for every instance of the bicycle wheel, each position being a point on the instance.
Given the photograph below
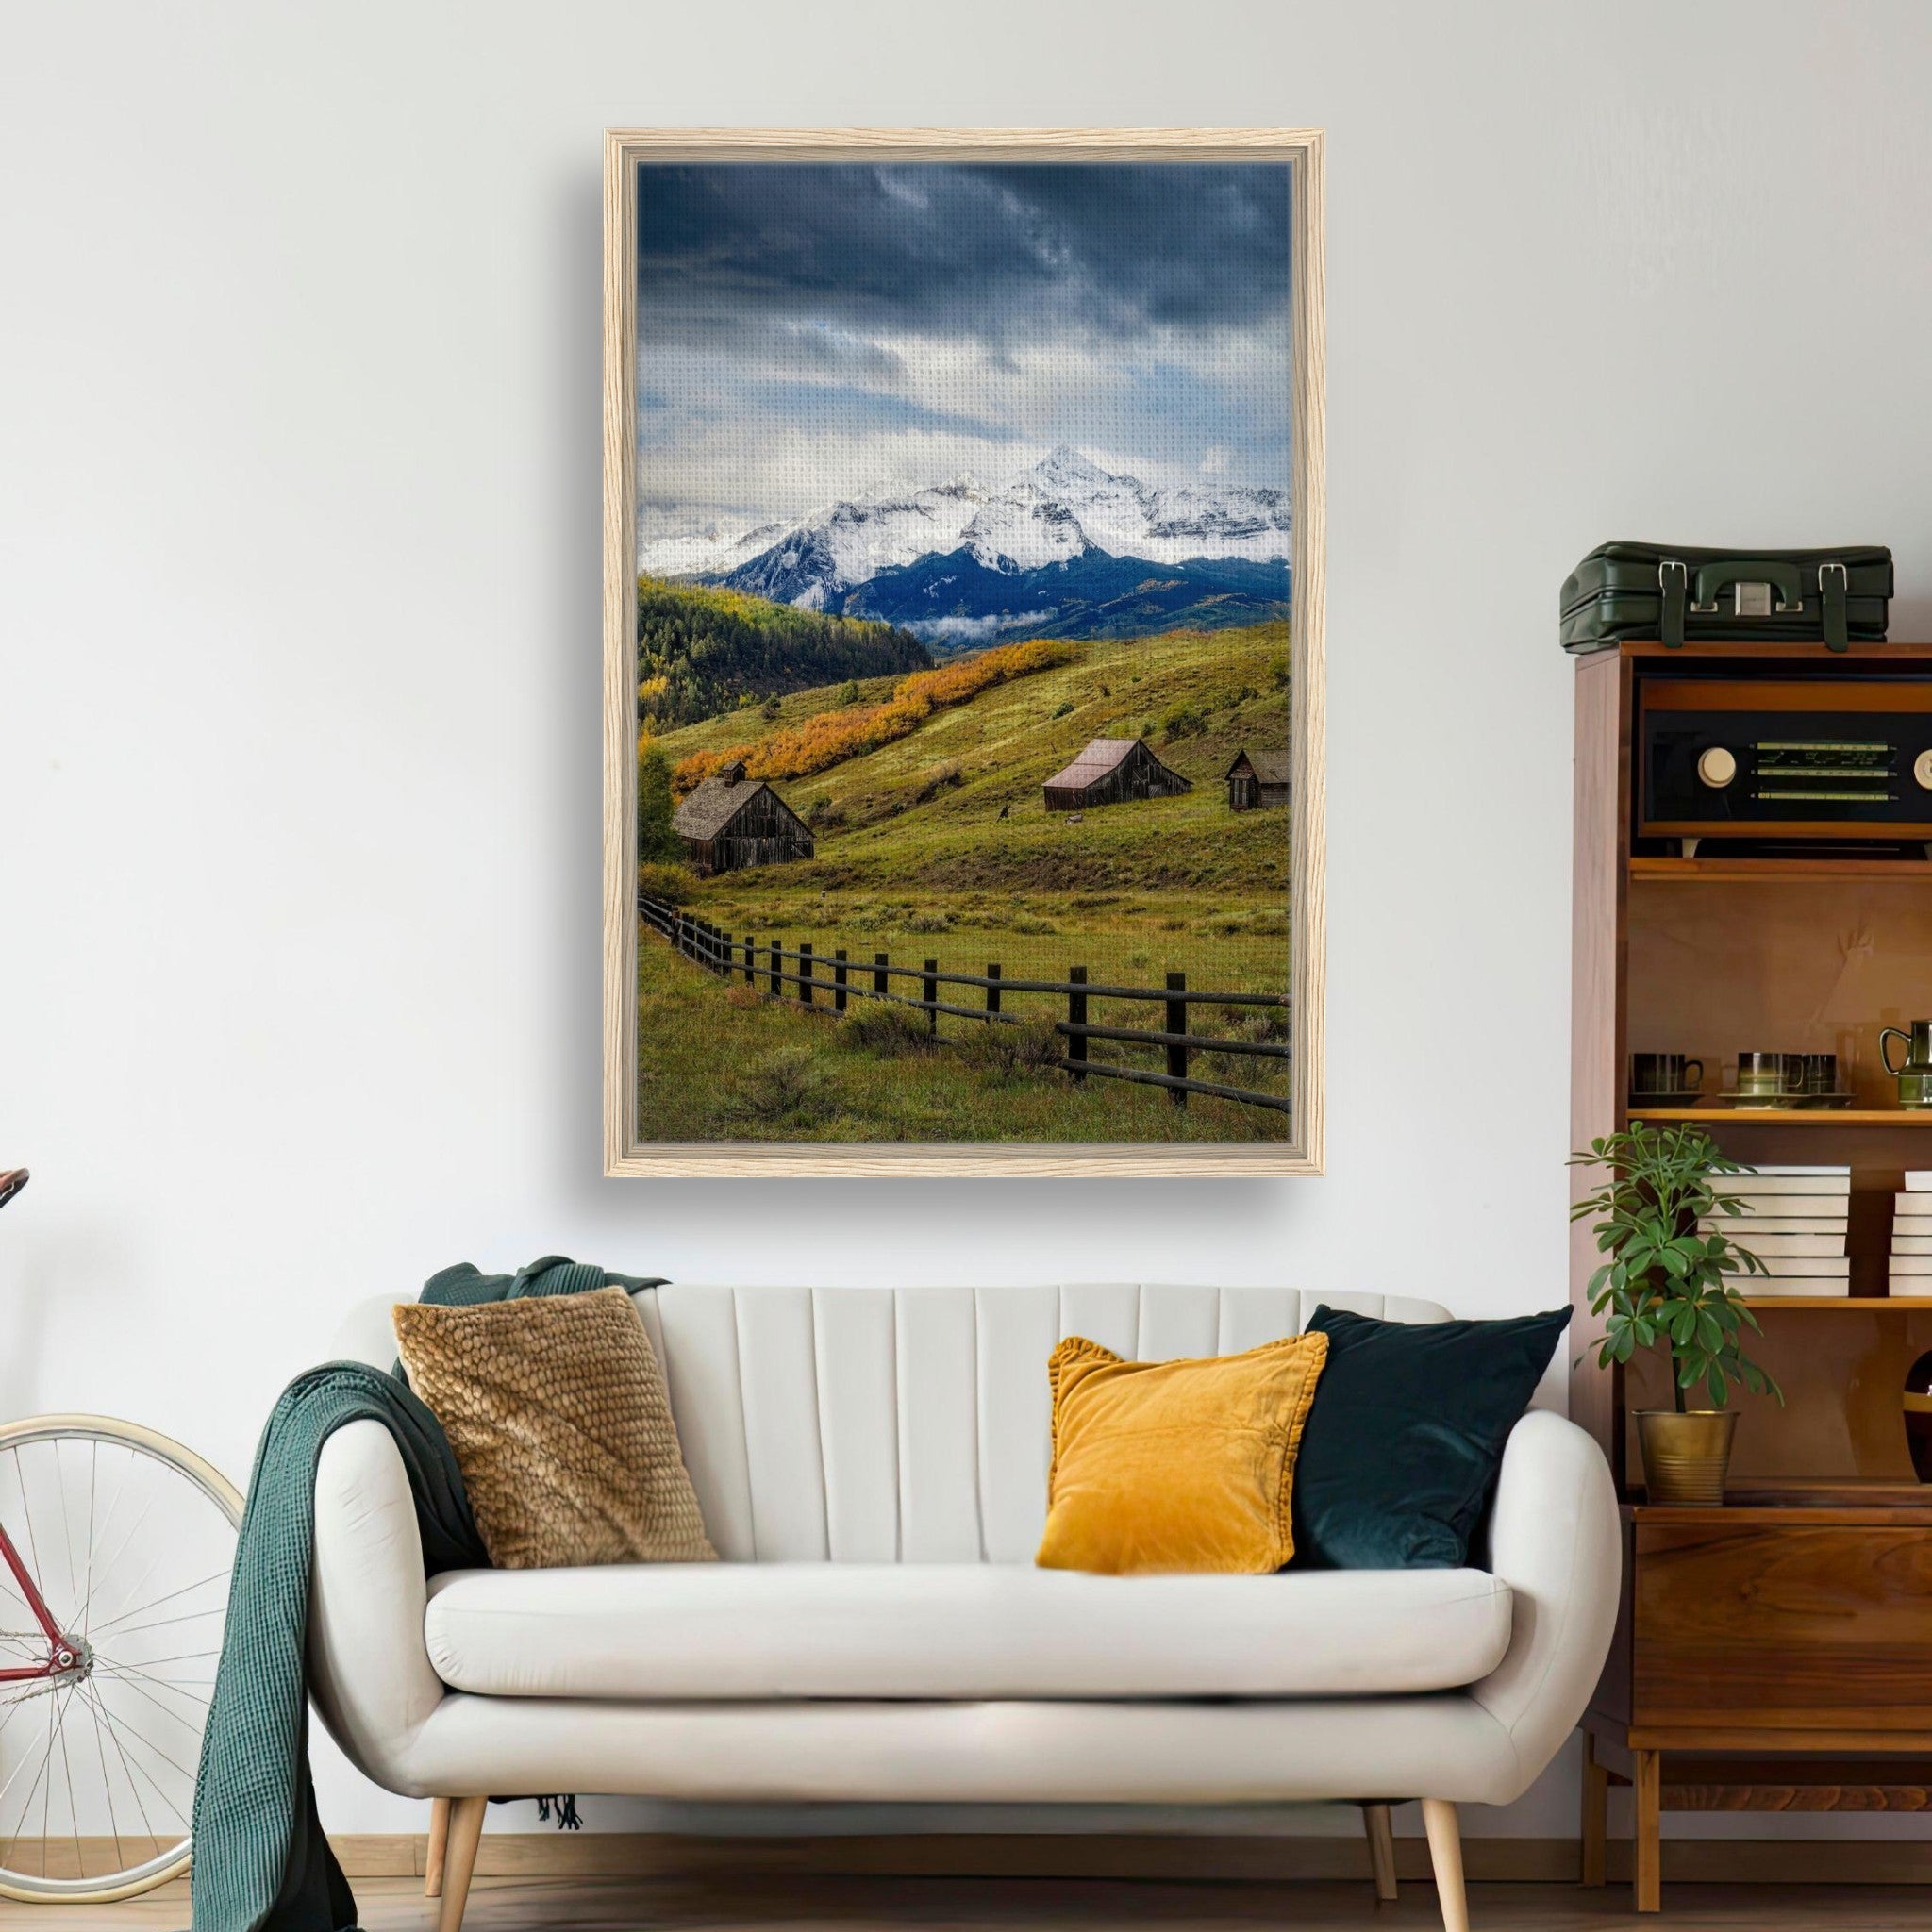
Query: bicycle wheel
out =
(115, 1549)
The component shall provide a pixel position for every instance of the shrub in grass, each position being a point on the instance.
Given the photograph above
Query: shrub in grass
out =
(881, 1028)
(1033, 1047)
(785, 1088)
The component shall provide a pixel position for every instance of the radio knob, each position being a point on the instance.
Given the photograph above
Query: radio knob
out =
(1921, 769)
(1717, 767)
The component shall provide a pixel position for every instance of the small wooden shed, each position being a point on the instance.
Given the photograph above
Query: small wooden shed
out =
(1258, 779)
(731, 821)
(1110, 772)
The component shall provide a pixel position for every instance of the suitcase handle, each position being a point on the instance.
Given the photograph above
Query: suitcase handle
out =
(1713, 578)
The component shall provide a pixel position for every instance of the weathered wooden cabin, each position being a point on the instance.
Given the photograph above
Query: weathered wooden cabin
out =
(1110, 772)
(731, 821)
(1258, 779)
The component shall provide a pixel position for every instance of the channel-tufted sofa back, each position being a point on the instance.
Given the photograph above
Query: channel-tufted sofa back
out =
(911, 1426)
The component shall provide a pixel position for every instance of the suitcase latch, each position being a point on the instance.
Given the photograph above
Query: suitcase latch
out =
(1752, 600)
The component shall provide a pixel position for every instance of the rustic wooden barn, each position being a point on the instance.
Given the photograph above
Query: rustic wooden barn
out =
(1110, 772)
(731, 821)
(1258, 779)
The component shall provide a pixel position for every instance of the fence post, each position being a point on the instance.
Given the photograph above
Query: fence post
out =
(804, 971)
(929, 992)
(1176, 1023)
(678, 938)
(881, 979)
(777, 973)
(992, 992)
(721, 956)
(750, 948)
(839, 980)
(1077, 1016)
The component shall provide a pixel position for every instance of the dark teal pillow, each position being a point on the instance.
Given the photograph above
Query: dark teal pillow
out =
(1406, 1434)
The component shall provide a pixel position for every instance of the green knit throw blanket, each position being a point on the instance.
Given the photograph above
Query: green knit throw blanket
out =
(261, 1862)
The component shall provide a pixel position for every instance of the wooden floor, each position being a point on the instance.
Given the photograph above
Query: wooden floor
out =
(887, 1905)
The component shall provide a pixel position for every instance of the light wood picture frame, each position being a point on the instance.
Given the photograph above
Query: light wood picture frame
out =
(710, 829)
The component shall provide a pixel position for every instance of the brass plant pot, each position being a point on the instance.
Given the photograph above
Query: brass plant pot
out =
(1686, 1456)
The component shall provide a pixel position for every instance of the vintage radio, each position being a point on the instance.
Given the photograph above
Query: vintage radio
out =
(1784, 759)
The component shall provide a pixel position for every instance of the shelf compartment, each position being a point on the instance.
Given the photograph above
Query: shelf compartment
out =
(1737, 872)
(1848, 1304)
(1792, 1117)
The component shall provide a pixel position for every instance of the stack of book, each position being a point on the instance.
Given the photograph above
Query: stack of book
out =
(1911, 1237)
(1794, 1219)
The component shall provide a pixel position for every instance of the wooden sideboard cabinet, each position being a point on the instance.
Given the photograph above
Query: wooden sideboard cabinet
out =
(1774, 1653)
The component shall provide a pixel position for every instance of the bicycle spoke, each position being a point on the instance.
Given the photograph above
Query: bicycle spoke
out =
(48, 1799)
(105, 1724)
(73, 1809)
(191, 1725)
(155, 1604)
(184, 1686)
(66, 1527)
(26, 1802)
(114, 1730)
(107, 1521)
(108, 1793)
(139, 1736)
(180, 1656)
(160, 1622)
(94, 1467)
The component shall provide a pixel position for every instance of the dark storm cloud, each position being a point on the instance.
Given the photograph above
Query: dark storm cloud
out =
(1001, 253)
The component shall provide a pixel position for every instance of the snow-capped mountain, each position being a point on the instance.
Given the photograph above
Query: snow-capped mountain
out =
(1008, 557)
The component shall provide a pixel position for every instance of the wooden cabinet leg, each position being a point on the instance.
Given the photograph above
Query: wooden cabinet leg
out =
(459, 1860)
(1381, 1833)
(1646, 1788)
(439, 1842)
(1596, 1812)
(1445, 1856)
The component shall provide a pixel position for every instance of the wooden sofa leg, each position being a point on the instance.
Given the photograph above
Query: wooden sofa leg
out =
(1446, 1855)
(459, 1860)
(439, 1843)
(1596, 1812)
(1381, 1848)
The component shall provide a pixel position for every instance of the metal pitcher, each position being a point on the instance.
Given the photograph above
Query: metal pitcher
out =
(1915, 1076)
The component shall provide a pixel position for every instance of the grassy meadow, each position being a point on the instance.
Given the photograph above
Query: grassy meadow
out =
(915, 858)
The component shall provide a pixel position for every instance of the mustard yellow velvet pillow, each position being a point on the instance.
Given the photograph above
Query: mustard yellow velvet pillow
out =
(556, 1410)
(1172, 1466)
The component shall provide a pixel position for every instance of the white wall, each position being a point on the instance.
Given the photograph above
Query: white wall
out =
(299, 784)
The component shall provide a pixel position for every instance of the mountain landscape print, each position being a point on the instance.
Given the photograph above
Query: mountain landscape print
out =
(963, 651)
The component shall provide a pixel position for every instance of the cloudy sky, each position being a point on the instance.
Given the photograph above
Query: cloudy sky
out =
(810, 333)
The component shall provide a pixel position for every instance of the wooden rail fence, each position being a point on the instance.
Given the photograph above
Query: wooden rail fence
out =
(826, 984)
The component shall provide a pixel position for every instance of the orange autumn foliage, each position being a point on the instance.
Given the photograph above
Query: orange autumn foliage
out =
(829, 738)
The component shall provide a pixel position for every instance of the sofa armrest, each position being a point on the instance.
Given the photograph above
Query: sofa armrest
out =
(1555, 1539)
(369, 1669)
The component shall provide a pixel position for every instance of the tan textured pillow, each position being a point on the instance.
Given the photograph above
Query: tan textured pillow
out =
(556, 1408)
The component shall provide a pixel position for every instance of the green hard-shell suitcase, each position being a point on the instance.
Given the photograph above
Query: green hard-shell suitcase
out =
(1677, 594)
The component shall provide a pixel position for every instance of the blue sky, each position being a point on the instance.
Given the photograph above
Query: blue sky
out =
(810, 333)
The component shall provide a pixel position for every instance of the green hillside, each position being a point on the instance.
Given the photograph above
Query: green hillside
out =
(913, 859)
(701, 652)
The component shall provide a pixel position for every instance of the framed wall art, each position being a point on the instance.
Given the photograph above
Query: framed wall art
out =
(963, 583)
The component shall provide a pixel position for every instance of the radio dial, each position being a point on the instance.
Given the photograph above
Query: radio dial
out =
(1717, 767)
(1921, 769)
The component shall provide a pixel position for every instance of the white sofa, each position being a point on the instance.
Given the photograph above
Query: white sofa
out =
(872, 1467)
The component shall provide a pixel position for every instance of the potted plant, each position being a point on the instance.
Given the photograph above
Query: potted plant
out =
(1670, 1277)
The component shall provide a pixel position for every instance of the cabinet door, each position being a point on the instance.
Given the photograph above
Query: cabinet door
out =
(1800, 1627)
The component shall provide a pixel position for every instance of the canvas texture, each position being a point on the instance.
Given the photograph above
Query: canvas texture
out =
(1163, 1467)
(557, 1414)
(1408, 1434)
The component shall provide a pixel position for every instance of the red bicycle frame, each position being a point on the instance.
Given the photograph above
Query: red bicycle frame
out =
(60, 1655)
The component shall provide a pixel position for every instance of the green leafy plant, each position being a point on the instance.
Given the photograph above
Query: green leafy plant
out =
(1665, 1281)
